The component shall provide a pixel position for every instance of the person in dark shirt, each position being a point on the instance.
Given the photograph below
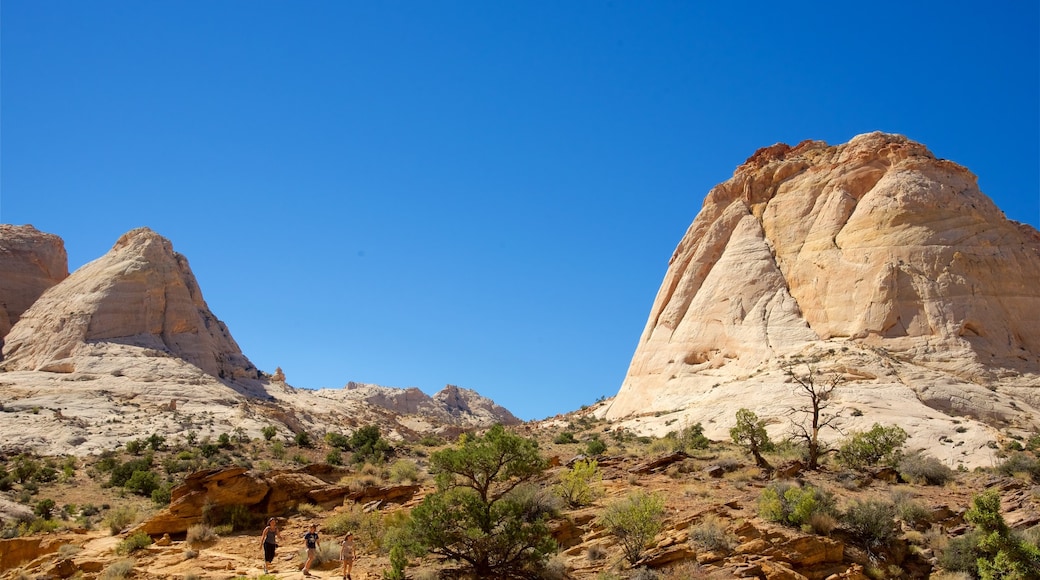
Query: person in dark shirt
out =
(311, 539)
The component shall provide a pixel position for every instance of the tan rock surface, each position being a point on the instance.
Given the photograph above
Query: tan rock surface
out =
(30, 262)
(126, 347)
(140, 294)
(884, 262)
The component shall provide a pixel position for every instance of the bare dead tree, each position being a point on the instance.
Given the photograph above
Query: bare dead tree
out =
(818, 389)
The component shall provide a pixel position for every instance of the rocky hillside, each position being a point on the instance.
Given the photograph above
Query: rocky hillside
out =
(127, 345)
(873, 261)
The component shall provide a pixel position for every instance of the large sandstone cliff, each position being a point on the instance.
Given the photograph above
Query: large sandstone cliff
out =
(872, 258)
(140, 294)
(30, 263)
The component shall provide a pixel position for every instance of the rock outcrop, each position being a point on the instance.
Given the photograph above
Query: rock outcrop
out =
(30, 262)
(469, 406)
(141, 294)
(274, 493)
(874, 259)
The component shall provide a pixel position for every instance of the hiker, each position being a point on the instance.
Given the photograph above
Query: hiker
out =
(311, 539)
(269, 541)
(348, 555)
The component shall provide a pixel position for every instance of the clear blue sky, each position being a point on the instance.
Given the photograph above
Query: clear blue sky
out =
(477, 193)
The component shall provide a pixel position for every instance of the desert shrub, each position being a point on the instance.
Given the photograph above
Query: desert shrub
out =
(792, 505)
(369, 446)
(135, 446)
(711, 535)
(924, 469)
(595, 553)
(1020, 463)
(634, 521)
(118, 570)
(269, 432)
(334, 457)
(595, 446)
(644, 573)
(367, 527)
(565, 438)
(278, 450)
(404, 470)
(119, 518)
(133, 543)
(302, 439)
(69, 550)
(871, 522)
(960, 554)
(327, 551)
(143, 483)
(578, 486)
(44, 508)
(200, 535)
(692, 437)
(879, 446)
(122, 472)
(911, 512)
(162, 495)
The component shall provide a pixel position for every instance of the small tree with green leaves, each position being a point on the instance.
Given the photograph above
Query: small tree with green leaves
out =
(474, 516)
(1002, 554)
(750, 433)
(578, 485)
(269, 432)
(368, 445)
(634, 521)
(879, 446)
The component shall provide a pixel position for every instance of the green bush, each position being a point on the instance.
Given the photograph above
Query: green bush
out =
(269, 432)
(924, 469)
(879, 446)
(634, 521)
(565, 438)
(122, 472)
(133, 543)
(338, 440)
(692, 437)
(143, 483)
(44, 508)
(578, 485)
(1020, 463)
(871, 522)
(334, 457)
(200, 535)
(162, 495)
(711, 535)
(750, 433)
(1002, 554)
(404, 470)
(595, 446)
(119, 518)
(369, 446)
(792, 505)
(118, 570)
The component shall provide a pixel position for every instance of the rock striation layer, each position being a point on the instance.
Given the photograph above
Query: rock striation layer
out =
(875, 250)
(140, 294)
(30, 262)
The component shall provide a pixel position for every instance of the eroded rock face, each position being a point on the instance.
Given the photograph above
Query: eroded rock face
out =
(140, 294)
(470, 405)
(30, 262)
(274, 493)
(871, 246)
